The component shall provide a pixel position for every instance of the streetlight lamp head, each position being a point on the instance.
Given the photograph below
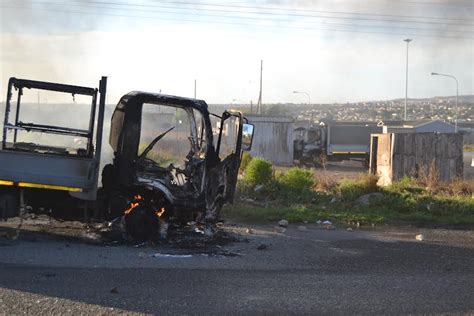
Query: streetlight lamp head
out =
(434, 74)
(408, 40)
(295, 91)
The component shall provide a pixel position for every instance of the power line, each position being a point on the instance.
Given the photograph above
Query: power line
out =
(273, 20)
(276, 13)
(315, 11)
(236, 24)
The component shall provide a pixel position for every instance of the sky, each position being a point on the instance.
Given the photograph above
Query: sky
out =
(334, 51)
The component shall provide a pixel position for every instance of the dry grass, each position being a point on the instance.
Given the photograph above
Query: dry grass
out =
(325, 182)
(428, 176)
(460, 187)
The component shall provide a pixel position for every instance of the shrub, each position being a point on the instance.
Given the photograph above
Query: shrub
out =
(244, 162)
(428, 176)
(258, 171)
(350, 190)
(461, 187)
(298, 179)
(368, 181)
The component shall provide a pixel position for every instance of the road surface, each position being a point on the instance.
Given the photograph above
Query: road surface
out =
(305, 270)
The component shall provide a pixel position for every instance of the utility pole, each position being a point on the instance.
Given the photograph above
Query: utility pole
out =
(259, 104)
(408, 40)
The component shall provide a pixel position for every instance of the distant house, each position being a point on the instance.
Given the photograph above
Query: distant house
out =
(467, 129)
(425, 126)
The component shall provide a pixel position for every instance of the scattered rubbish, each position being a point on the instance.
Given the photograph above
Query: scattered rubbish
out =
(366, 198)
(302, 228)
(198, 230)
(262, 247)
(333, 200)
(349, 229)
(420, 237)
(327, 222)
(283, 223)
(167, 255)
(305, 222)
(279, 229)
(330, 227)
(318, 222)
(258, 188)
(140, 244)
(48, 275)
(114, 290)
(249, 231)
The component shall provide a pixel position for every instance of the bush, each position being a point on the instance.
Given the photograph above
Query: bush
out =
(350, 190)
(244, 162)
(258, 171)
(460, 187)
(298, 179)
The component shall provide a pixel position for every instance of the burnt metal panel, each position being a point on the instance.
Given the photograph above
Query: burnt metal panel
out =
(47, 169)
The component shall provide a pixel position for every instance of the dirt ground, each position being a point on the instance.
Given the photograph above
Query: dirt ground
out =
(351, 169)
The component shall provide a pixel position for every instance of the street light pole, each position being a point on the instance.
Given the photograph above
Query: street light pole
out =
(408, 40)
(309, 102)
(307, 94)
(457, 96)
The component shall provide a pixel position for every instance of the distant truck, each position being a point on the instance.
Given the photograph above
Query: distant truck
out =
(334, 141)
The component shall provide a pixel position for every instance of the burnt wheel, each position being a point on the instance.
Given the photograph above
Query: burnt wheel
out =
(142, 224)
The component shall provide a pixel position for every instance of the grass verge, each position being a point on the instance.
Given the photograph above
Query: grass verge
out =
(405, 201)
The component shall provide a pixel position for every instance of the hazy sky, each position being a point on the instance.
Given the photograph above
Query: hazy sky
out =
(336, 51)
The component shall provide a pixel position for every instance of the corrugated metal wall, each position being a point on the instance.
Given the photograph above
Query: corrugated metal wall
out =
(411, 154)
(273, 138)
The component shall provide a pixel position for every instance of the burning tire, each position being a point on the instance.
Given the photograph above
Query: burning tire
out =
(142, 220)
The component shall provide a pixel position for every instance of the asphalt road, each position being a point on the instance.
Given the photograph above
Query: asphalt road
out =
(312, 271)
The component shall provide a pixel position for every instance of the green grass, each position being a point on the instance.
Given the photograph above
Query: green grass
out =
(468, 147)
(404, 201)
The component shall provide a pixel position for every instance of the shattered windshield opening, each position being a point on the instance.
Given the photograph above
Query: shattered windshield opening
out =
(178, 142)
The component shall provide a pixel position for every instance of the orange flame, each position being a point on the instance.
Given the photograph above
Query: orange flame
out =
(160, 212)
(133, 205)
(131, 208)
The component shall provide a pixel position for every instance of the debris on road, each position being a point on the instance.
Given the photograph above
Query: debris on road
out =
(283, 223)
(420, 237)
(279, 229)
(262, 247)
(349, 229)
(167, 255)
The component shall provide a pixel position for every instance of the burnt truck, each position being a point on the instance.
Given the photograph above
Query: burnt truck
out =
(333, 141)
(168, 164)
